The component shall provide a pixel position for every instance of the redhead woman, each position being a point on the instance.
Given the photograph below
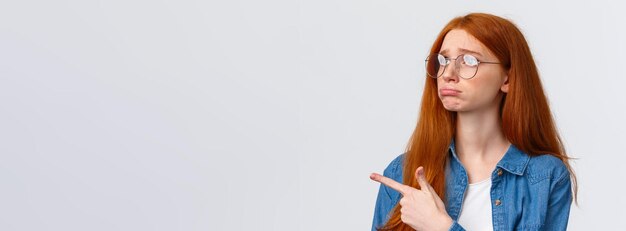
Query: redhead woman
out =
(485, 154)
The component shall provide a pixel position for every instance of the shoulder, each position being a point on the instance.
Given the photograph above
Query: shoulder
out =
(395, 167)
(546, 166)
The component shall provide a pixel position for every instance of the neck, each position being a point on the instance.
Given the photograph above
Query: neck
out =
(479, 136)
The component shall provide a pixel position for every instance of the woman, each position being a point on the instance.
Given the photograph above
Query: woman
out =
(485, 141)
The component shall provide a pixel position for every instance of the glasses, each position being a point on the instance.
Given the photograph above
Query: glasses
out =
(465, 65)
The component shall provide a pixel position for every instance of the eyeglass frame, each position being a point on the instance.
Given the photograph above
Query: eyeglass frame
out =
(457, 67)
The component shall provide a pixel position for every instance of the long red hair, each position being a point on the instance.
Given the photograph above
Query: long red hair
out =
(525, 114)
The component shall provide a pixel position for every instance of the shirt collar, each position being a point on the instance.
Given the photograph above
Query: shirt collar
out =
(514, 160)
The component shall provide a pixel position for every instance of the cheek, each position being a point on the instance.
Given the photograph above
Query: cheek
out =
(485, 91)
(495, 84)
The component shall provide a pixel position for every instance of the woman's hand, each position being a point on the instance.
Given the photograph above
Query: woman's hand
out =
(421, 209)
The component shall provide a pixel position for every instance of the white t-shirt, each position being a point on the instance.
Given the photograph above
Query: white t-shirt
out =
(476, 209)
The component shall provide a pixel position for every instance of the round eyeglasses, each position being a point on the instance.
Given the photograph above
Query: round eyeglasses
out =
(465, 65)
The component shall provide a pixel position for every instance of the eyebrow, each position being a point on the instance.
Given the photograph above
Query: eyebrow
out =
(464, 51)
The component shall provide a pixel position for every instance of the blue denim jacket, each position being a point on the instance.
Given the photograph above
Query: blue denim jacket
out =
(527, 193)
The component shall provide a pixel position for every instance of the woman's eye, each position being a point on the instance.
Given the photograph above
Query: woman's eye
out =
(470, 60)
(442, 60)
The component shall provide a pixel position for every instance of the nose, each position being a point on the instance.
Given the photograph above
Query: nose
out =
(450, 74)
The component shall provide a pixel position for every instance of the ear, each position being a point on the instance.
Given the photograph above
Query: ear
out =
(505, 85)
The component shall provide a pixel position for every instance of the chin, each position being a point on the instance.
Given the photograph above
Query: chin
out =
(452, 106)
(452, 109)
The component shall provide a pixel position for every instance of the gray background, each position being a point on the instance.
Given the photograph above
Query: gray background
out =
(263, 115)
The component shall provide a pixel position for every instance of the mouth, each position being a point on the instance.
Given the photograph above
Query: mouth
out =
(449, 92)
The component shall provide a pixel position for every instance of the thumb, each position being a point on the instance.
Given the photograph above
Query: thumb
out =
(421, 179)
(425, 186)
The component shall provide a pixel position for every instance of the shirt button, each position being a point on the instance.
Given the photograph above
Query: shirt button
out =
(498, 202)
(499, 172)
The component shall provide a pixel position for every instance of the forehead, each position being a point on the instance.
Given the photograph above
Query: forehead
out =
(458, 42)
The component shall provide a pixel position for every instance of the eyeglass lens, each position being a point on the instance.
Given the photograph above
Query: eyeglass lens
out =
(465, 65)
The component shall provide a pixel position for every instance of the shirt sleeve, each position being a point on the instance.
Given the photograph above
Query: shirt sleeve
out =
(387, 197)
(456, 227)
(559, 204)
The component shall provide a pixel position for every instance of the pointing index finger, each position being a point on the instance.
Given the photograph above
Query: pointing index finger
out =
(402, 189)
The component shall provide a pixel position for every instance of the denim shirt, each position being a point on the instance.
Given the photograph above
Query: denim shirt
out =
(527, 193)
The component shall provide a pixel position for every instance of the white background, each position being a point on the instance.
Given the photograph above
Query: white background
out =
(264, 115)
